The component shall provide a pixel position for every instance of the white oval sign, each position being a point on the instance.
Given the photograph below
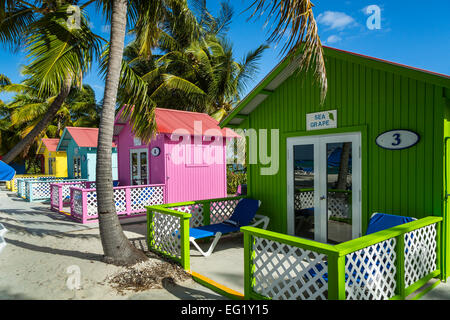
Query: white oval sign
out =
(397, 139)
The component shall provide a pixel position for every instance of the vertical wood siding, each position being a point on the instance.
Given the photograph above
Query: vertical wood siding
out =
(406, 182)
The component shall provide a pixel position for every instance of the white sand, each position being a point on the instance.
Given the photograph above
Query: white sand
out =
(39, 259)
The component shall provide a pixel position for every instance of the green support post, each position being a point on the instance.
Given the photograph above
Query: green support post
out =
(248, 250)
(149, 227)
(336, 277)
(400, 265)
(184, 242)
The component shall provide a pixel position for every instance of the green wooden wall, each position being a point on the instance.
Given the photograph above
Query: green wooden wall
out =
(370, 97)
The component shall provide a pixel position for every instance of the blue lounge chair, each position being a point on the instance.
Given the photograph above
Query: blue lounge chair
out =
(378, 222)
(244, 215)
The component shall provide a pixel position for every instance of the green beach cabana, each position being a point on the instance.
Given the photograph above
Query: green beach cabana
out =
(377, 144)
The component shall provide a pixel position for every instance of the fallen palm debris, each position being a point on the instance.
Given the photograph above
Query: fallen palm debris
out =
(148, 275)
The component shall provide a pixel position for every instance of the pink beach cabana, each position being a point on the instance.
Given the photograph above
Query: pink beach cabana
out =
(188, 155)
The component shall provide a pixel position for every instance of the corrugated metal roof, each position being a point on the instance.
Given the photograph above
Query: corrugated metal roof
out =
(85, 137)
(50, 144)
(195, 123)
(169, 121)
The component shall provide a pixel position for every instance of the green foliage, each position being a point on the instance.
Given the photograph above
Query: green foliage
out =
(234, 179)
(194, 70)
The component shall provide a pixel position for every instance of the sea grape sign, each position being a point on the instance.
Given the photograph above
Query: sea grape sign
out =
(397, 139)
(321, 120)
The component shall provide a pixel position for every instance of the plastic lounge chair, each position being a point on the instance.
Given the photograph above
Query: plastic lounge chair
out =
(378, 222)
(244, 215)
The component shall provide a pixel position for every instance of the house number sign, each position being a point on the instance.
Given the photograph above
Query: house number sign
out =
(397, 139)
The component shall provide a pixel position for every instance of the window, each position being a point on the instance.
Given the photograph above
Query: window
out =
(76, 167)
(51, 162)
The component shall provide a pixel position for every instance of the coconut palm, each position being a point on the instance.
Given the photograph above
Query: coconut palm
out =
(295, 19)
(293, 15)
(26, 109)
(59, 53)
(199, 75)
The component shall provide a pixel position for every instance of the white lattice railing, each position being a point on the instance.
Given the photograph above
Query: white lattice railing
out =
(39, 190)
(339, 202)
(12, 185)
(130, 201)
(390, 264)
(168, 225)
(60, 193)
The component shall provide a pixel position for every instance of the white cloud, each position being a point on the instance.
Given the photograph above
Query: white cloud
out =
(335, 20)
(333, 39)
(106, 28)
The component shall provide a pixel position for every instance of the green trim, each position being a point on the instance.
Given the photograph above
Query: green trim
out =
(185, 243)
(347, 56)
(425, 291)
(336, 278)
(416, 285)
(400, 266)
(371, 239)
(337, 255)
(248, 254)
(291, 240)
(266, 92)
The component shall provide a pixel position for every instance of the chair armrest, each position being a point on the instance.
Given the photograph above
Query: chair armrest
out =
(260, 219)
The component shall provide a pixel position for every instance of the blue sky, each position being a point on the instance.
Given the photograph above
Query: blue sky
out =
(404, 37)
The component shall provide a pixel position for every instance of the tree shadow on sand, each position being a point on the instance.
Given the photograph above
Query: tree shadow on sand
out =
(62, 252)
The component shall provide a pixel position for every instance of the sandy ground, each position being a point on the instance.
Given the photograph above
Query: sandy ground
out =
(46, 252)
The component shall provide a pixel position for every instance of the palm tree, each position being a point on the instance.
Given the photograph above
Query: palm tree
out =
(145, 17)
(295, 18)
(116, 246)
(293, 15)
(59, 54)
(200, 74)
(26, 109)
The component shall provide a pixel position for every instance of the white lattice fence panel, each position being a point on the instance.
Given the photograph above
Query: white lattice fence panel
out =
(339, 204)
(66, 188)
(120, 200)
(420, 253)
(55, 195)
(284, 272)
(165, 234)
(146, 196)
(304, 200)
(222, 210)
(196, 211)
(77, 203)
(91, 205)
(39, 190)
(371, 272)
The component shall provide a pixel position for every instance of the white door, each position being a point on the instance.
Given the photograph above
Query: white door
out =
(139, 166)
(324, 187)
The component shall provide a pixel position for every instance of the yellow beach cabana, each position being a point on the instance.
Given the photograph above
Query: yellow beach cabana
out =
(55, 162)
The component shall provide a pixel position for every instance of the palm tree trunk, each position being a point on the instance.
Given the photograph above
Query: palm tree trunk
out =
(116, 246)
(48, 117)
(343, 167)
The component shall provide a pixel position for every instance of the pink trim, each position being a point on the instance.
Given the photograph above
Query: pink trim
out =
(128, 213)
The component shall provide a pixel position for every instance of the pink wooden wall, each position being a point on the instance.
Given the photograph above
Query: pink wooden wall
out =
(184, 181)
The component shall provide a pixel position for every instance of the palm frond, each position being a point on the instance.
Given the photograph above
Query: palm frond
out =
(295, 19)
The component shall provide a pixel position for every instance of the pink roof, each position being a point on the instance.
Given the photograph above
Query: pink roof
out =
(169, 120)
(85, 137)
(50, 144)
